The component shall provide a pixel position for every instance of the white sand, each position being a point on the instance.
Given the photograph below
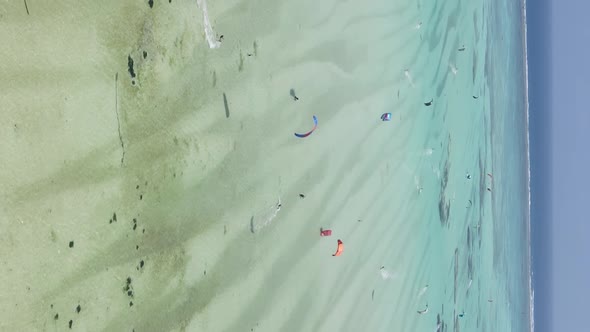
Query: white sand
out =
(203, 176)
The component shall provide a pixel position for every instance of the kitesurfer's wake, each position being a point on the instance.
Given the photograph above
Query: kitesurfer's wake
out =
(409, 77)
(428, 152)
(386, 274)
(454, 69)
(422, 291)
(417, 184)
(209, 34)
(265, 217)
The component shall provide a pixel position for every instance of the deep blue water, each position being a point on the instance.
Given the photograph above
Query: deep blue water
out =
(539, 63)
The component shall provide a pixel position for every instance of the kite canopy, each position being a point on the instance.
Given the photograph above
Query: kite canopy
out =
(386, 117)
(315, 125)
(340, 249)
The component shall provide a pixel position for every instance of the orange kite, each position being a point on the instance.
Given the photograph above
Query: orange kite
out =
(340, 248)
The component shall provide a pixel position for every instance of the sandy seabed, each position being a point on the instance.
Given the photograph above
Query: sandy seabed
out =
(142, 168)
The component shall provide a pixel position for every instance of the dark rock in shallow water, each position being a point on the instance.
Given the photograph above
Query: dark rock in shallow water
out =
(151, 3)
(225, 104)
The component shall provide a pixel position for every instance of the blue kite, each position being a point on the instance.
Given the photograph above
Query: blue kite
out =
(315, 125)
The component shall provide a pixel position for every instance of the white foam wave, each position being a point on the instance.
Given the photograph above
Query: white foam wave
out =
(528, 158)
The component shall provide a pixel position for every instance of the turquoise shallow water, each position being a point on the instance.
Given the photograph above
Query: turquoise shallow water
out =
(476, 249)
